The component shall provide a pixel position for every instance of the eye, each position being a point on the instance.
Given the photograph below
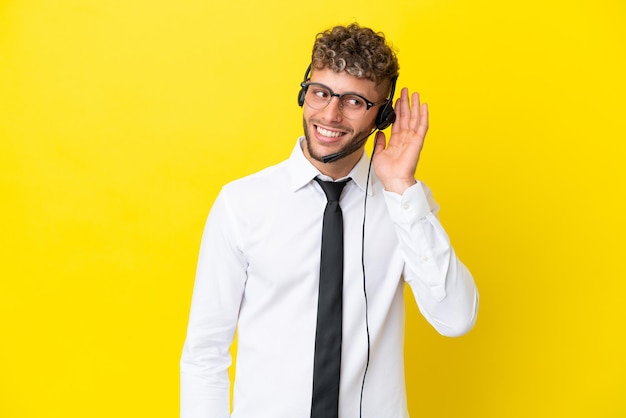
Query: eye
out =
(353, 101)
(320, 93)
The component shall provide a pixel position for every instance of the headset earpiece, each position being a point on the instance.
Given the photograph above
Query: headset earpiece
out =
(302, 91)
(301, 95)
(386, 115)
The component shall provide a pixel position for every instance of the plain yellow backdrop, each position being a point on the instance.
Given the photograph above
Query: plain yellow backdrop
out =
(120, 121)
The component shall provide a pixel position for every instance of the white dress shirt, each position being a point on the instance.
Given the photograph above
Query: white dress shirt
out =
(258, 273)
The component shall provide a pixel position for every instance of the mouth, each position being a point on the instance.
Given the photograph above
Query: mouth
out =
(328, 134)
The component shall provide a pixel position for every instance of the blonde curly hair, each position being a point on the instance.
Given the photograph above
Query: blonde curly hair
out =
(357, 50)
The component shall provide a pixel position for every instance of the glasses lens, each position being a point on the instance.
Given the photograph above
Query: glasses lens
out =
(319, 96)
(352, 106)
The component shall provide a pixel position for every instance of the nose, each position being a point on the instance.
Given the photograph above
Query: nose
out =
(332, 111)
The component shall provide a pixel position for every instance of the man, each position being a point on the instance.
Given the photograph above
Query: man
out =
(259, 264)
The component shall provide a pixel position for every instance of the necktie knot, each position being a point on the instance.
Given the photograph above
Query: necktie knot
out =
(332, 189)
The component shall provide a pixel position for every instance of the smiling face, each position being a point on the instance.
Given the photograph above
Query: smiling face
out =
(328, 131)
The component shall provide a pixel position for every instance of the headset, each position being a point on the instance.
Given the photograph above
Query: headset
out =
(385, 116)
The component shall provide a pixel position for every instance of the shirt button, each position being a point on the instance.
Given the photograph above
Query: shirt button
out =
(425, 258)
(406, 206)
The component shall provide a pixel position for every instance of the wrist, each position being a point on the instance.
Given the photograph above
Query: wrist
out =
(398, 186)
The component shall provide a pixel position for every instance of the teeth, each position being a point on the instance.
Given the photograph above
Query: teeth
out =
(327, 133)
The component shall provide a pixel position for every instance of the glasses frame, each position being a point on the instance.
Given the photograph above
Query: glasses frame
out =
(369, 104)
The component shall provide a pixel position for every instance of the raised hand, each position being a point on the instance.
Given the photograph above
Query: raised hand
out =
(395, 162)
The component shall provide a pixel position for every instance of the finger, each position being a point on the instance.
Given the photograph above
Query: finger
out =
(405, 109)
(398, 109)
(423, 120)
(415, 112)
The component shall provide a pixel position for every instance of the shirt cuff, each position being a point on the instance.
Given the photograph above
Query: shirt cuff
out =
(409, 207)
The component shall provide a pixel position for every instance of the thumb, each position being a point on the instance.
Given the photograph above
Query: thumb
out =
(380, 142)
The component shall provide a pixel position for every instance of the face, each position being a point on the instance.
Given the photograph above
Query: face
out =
(328, 132)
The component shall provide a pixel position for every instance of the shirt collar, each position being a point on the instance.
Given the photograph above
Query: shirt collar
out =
(302, 172)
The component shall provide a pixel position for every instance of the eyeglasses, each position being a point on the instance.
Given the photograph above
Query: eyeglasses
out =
(351, 105)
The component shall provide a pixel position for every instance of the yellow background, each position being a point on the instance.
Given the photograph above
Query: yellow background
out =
(120, 120)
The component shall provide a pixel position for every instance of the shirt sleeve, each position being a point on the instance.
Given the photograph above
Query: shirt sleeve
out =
(218, 289)
(443, 287)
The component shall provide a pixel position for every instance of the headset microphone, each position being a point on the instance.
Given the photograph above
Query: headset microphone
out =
(334, 157)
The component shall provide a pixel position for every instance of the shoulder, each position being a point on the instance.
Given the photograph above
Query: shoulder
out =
(258, 185)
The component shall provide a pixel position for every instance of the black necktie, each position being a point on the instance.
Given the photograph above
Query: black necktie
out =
(327, 362)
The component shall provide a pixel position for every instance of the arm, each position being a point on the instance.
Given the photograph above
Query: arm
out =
(218, 289)
(443, 287)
